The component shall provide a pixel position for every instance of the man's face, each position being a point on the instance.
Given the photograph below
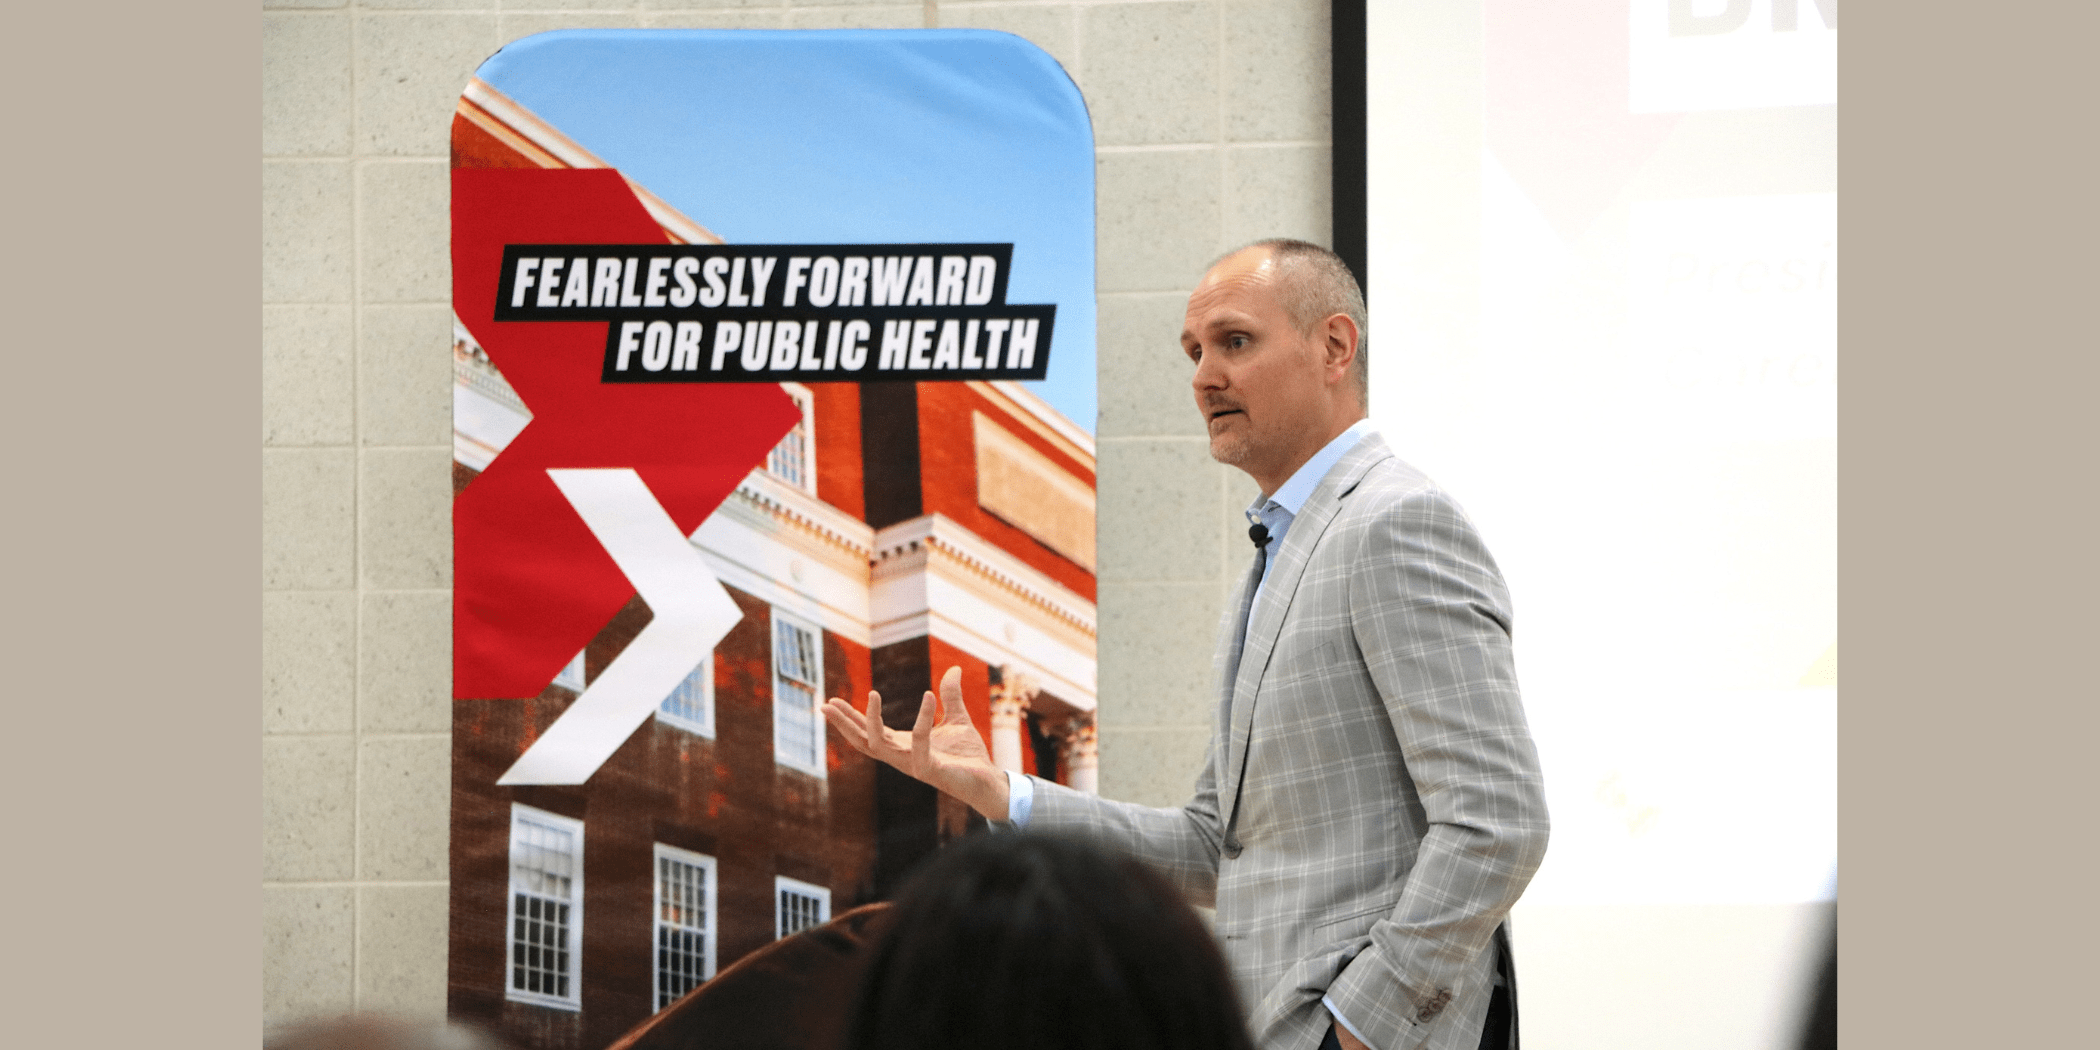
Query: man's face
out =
(1259, 380)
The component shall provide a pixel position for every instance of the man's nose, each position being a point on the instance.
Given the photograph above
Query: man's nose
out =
(1208, 376)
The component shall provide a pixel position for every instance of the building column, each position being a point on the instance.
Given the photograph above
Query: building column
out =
(1010, 696)
(1082, 761)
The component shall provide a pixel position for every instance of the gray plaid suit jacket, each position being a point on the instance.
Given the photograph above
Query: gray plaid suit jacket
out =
(1371, 804)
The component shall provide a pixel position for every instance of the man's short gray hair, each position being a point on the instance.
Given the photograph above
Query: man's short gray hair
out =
(1317, 285)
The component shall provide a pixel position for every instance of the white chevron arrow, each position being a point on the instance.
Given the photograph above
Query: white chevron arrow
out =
(691, 613)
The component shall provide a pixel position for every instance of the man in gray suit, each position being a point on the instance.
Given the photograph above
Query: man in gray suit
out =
(1371, 804)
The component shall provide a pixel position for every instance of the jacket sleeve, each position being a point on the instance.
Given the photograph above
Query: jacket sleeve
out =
(1182, 843)
(1431, 615)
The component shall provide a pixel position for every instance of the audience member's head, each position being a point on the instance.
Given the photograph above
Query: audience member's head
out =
(1032, 942)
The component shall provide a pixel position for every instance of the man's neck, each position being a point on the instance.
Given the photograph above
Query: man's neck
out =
(1269, 485)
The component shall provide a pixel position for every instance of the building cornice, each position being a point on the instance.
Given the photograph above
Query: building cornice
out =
(906, 546)
(824, 530)
(784, 547)
(1037, 415)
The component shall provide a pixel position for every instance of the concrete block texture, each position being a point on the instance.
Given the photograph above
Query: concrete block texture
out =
(1279, 79)
(404, 375)
(307, 239)
(1053, 28)
(568, 5)
(518, 26)
(309, 940)
(1159, 671)
(876, 16)
(1156, 219)
(404, 807)
(1279, 191)
(405, 506)
(1157, 497)
(309, 521)
(710, 16)
(1144, 385)
(306, 84)
(401, 951)
(404, 231)
(704, 5)
(309, 661)
(404, 662)
(428, 5)
(1152, 766)
(309, 791)
(307, 378)
(410, 68)
(1151, 72)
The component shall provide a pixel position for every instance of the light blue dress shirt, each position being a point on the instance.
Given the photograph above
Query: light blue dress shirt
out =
(1279, 510)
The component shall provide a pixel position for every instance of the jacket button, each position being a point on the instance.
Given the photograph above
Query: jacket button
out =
(1233, 848)
(1434, 1006)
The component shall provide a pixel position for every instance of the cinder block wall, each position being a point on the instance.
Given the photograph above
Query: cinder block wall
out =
(1211, 124)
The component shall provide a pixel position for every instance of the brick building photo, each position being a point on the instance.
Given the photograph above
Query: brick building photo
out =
(899, 529)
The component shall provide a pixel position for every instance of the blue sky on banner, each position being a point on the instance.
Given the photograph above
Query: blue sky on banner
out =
(845, 136)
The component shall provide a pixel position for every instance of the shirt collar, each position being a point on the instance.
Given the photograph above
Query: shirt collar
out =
(1293, 493)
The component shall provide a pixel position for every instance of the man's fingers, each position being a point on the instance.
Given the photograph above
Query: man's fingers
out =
(952, 710)
(872, 725)
(922, 732)
(847, 721)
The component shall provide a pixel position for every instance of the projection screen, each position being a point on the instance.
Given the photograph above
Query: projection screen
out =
(1601, 263)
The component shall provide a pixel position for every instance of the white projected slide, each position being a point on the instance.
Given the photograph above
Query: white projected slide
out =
(1732, 54)
(1602, 271)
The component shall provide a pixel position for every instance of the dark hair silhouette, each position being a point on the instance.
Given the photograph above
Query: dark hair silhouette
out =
(1023, 941)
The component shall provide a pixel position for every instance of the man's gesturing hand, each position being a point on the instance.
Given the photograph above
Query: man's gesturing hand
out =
(945, 752)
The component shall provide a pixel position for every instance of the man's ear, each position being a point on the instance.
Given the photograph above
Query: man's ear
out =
(1339, 342)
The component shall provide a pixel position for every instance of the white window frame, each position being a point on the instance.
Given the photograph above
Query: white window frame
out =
(812, 765)
(570, 677)
(804, 441)
(782, 885)
(707, 931)
(522, 815)
(699, 690)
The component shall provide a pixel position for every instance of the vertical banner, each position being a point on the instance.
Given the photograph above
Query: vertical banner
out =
(773, 381)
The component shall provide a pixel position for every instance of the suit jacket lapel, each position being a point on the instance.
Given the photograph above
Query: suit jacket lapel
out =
(1265, 619)
(1227, 659)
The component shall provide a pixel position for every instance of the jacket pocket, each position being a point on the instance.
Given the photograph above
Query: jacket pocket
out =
(1351, 926)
